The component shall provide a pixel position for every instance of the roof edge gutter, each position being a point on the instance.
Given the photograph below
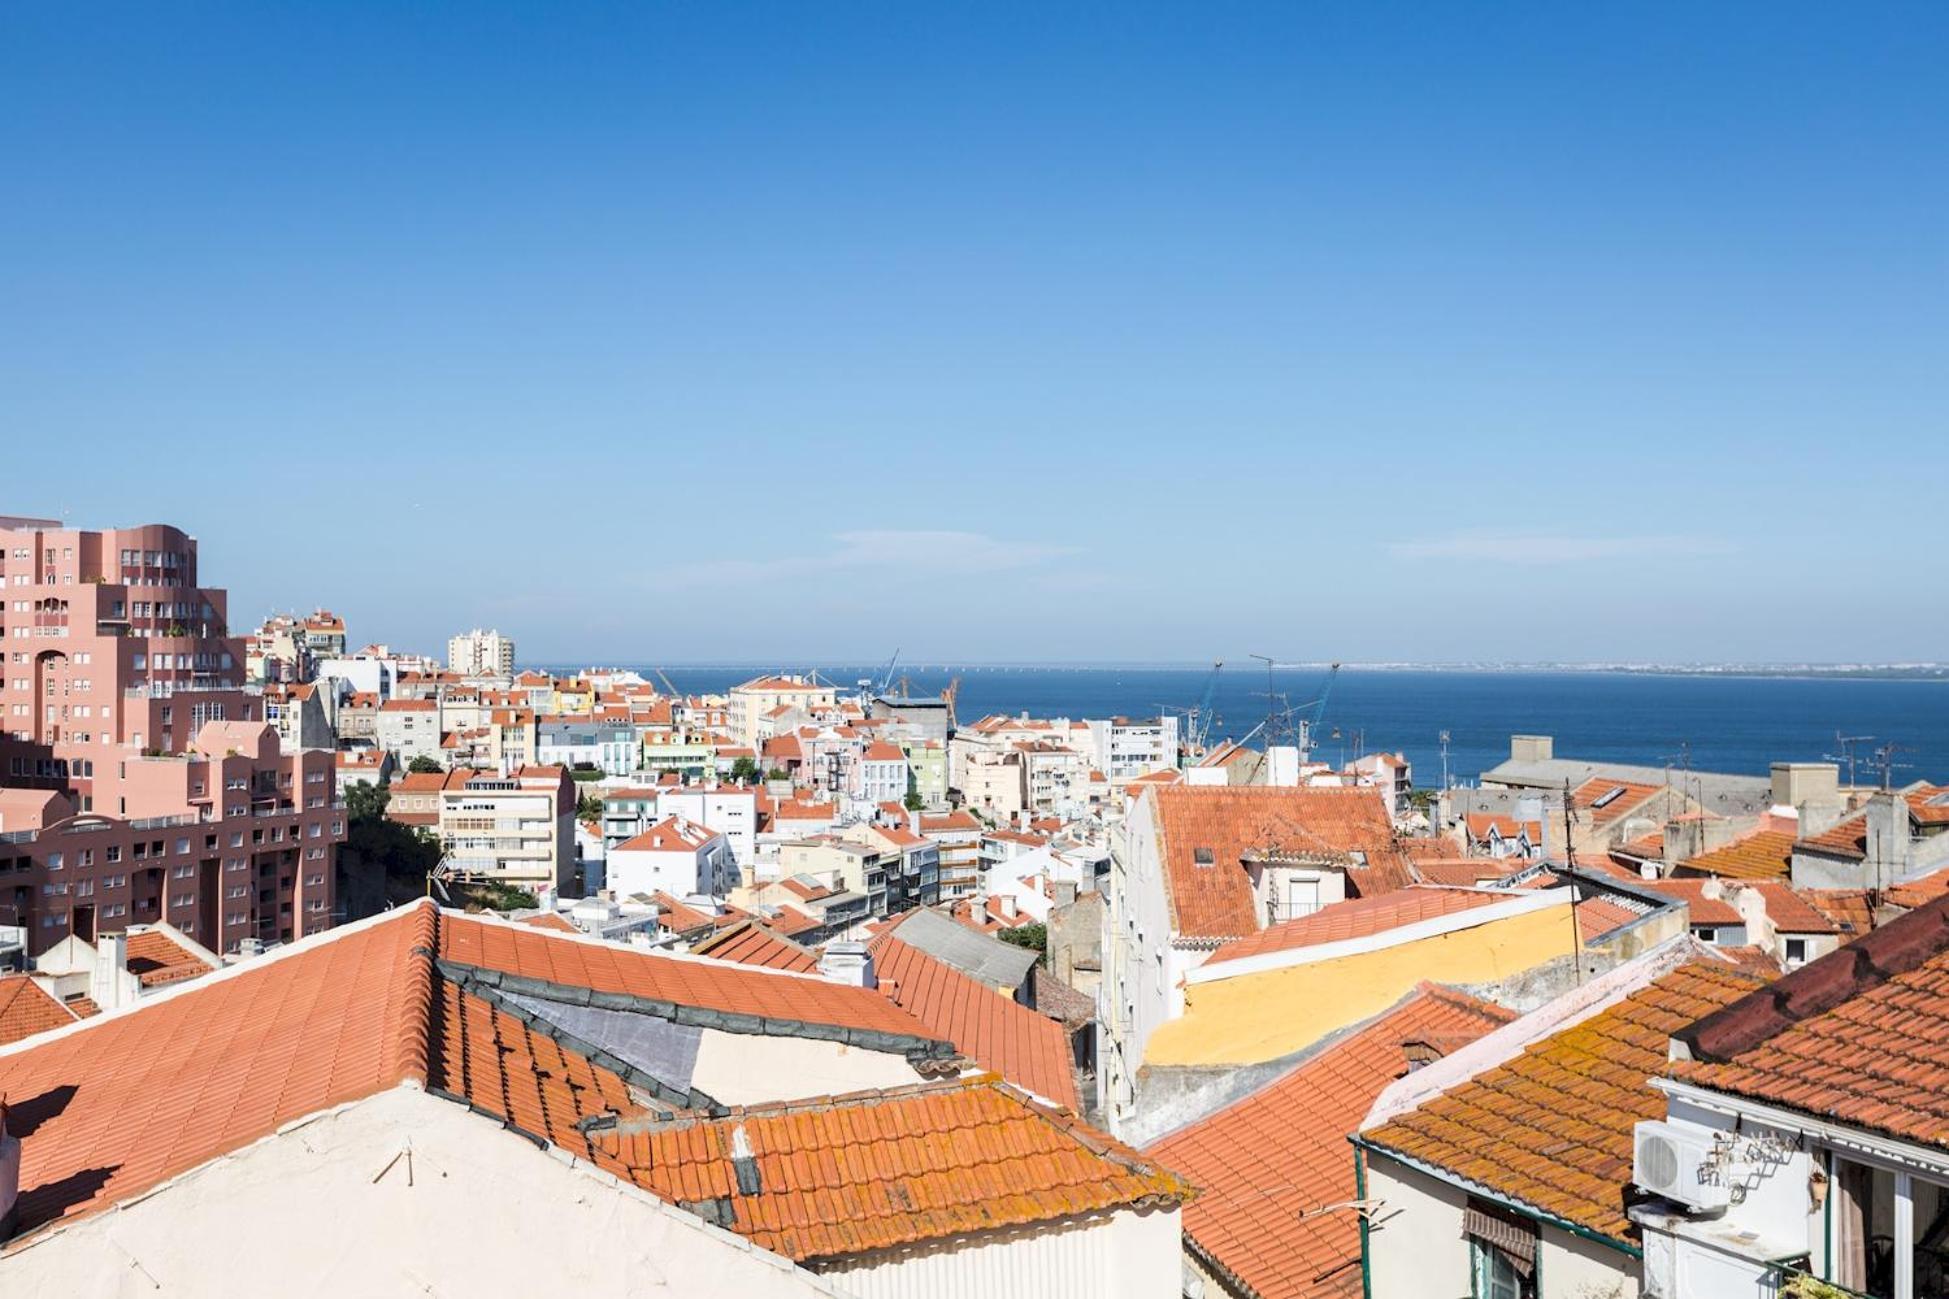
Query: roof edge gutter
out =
(1514, 1205)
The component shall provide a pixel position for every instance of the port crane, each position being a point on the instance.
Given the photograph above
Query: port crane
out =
(1198, 721)
(879, 685)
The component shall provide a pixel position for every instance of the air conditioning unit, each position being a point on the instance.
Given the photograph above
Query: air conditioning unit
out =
(1677, 1161)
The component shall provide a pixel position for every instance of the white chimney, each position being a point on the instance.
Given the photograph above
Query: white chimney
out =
(1008, 905)
(110, 985)
(848, 963)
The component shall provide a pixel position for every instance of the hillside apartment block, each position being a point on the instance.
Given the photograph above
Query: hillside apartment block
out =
(142, 783)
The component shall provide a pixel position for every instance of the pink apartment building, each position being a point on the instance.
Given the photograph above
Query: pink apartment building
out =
(140, 781)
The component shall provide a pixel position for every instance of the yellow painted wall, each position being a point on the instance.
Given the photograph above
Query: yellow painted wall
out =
(1257, 1017)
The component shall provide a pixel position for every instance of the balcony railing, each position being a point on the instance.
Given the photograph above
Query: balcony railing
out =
(1792, 1283)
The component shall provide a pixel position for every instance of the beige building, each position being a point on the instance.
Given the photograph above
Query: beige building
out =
(751, 701)
(516, 829)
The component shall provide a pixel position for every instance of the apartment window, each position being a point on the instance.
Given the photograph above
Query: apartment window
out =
(1796, 952)
(1502, 1252)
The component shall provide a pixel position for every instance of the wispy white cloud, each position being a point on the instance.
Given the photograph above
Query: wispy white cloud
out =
(881, 554)
(1556, 548)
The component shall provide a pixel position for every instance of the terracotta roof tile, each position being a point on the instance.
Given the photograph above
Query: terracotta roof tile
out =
(847, 1175)
(1268, 1167)
(156, 958)
(1469, 872)
(1764, 855)
(1206, 831)
(711, 985)
(1790, 912)
(750, 942)
(1360, 918)
(1604, 800)
(1852, 911)
(1860, 1036)
(1847, 837)
(26, 1008)
(124, 1102)
(1704, 910)
(1553, 1128)
(553, 920)
(998, 1033)
(1920, 891)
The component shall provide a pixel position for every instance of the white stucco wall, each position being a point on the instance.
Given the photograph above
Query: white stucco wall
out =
(1139, 990)
(1128, 1255)
(1416, 1249)
(749, 1069)
(481, 1211)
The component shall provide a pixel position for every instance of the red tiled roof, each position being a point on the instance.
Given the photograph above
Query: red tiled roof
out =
(192, 1075)
(1704, 910)
(554, 920)
(26, 1008)
(101, 1107)
(846, 1175)
(1482, 824)
(1789, 912)
(1920, 891)
(750, 942)
(1268, 1167)
(1360, 918)
(712, 985)
(1553, 1128)
(1646, 847)
(1469, 872)
(1227, 822)
(1598, 789)
(1850, 910)
(1860, 1036)
(156, 958)
(1600, 915)
(1847, 837)
(1763, 855)
(1028, 1049)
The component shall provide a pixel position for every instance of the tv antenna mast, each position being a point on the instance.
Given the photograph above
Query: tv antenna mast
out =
(1885, 755)
(1848, 745)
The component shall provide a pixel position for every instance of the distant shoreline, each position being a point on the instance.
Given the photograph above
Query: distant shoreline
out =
(1925, 672)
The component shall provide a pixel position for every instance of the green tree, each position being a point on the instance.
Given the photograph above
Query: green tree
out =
(588, 807)
(424, 765)
(381, 860)
(365, 801)
(914, 801)
(744, 771)
(1035, 937)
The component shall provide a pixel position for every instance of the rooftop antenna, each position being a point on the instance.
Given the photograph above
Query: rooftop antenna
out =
(1570, 861)
(1847, 745)
(1269, 697)
(1885, 755)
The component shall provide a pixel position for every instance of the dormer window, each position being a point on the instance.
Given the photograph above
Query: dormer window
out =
(1202, 857)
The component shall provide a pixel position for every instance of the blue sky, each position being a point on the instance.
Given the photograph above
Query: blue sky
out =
(680, 331)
